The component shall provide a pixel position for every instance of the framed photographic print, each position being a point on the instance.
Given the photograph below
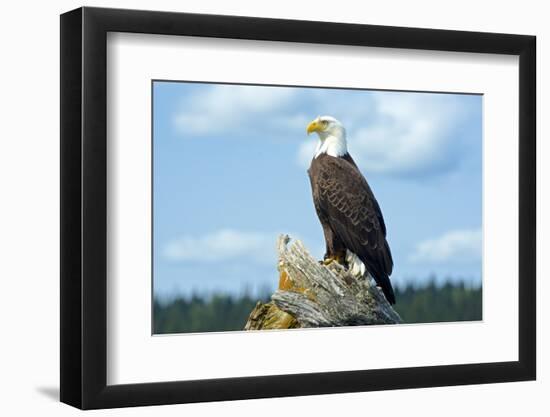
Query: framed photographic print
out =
(257, 207)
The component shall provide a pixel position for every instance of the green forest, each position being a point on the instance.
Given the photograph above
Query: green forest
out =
(220, 312)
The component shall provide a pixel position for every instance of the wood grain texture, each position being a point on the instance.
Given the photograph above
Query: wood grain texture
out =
(317, 295)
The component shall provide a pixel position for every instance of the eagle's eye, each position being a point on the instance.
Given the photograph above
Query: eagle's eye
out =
(325, 123)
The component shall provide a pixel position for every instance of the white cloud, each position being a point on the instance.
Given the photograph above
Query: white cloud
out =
(390, 133)
(411, 134)
(305, 153)
(222, 246)
(400, 133)
(457, 246)
(222, 108)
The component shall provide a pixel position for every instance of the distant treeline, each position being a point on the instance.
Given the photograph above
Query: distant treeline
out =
(416, 304)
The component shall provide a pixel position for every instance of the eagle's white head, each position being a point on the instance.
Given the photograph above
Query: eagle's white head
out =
(332, 136)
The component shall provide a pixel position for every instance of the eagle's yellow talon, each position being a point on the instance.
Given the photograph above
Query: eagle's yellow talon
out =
(338, 258)
(328, 261)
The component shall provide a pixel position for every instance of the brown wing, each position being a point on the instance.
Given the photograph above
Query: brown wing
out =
(346, 200)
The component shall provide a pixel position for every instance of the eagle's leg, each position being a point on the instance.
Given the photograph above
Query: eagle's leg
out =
(336, 251)
(339, 257)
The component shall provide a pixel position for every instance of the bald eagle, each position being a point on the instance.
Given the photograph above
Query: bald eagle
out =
(354, 229)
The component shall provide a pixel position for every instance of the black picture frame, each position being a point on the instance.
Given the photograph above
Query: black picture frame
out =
(84, 207)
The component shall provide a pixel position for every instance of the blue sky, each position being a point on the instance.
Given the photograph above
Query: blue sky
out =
(230, 175)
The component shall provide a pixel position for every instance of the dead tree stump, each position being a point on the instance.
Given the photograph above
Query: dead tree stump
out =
(311, 294)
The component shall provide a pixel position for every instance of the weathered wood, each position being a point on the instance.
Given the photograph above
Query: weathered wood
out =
(311, 294)
(269, 316)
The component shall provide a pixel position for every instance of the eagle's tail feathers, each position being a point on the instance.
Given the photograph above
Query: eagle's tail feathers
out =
(388, 260)
(387, 288)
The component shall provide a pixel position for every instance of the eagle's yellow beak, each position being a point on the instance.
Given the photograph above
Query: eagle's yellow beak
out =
(314, 126)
